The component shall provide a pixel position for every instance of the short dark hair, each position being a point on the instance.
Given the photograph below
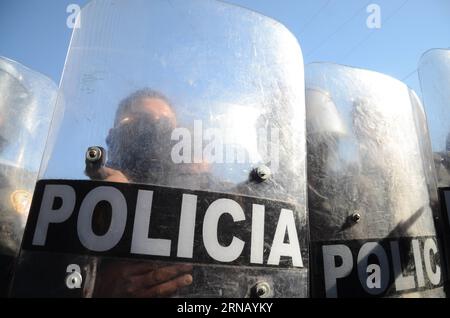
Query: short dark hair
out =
(127, 103)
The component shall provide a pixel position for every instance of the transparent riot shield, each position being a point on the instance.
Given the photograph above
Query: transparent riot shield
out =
(372, 195)
(434, 74)
(178, 165)
(26, 105)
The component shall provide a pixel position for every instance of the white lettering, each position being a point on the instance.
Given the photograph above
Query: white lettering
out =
(88, 238)
(141, 243)
(286, 224)
(210, 223)
(49, 215)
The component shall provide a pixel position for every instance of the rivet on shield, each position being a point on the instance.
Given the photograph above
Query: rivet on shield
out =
(356, 217)
(262, 173)
(94, 154)
(262, 290)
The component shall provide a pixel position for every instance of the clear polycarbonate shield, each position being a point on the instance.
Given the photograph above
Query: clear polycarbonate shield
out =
(434, 74)
(178, 165)
(371, 191)
(27, 101)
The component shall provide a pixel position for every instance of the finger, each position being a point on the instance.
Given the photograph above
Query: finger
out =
(167, 288)
(95, 172)
(114, 175)
(105, 174)
(161, 275)
(141, 268)
(128, 268)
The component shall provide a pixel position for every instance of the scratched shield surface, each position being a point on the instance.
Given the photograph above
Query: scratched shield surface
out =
(27, 99)
(372, 192)
(176, 160)
(434, 75)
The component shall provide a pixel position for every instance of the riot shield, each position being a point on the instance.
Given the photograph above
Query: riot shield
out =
(434, 75)
(26, 106)
(371, 193)
(178, 166)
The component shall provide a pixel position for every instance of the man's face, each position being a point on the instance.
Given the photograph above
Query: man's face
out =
(155, 108)
(139, 144)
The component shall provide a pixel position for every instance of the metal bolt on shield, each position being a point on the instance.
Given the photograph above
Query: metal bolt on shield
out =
(262, 290)
(93, 154)
(263, 173)
(356, 217)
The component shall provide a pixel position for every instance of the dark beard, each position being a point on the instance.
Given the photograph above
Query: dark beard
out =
(142, 154)
(142, 170)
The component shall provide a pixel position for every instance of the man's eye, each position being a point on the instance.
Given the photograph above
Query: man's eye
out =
(125, 120)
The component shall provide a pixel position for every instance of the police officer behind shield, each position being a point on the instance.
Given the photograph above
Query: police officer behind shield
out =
(139, 151)
(442, 164)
